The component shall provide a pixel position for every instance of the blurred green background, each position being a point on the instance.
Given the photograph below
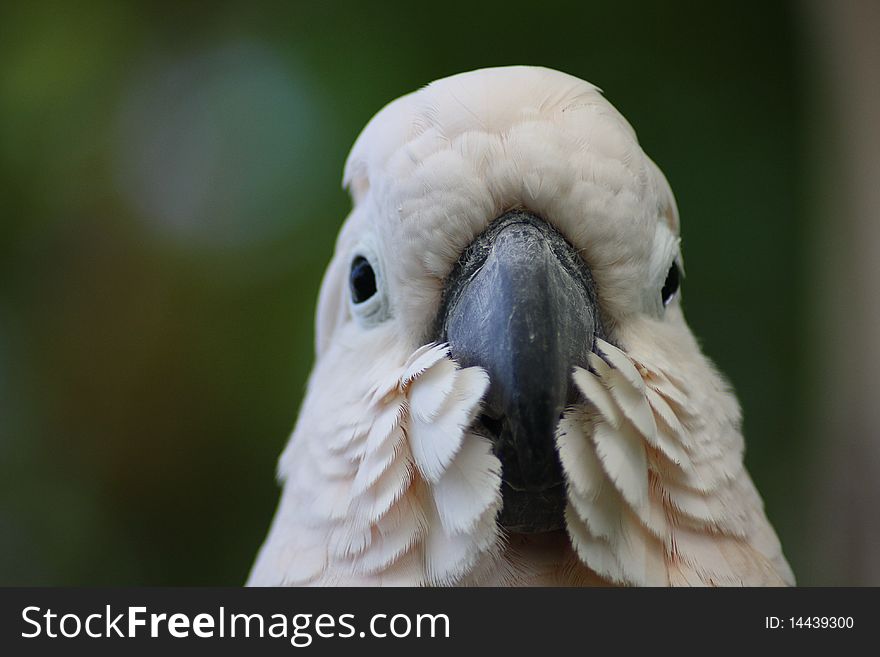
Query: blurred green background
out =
(171, 195)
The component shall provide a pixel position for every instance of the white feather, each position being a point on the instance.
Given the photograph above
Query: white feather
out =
(394, 535)
(622, 363)
(423, 359)
(377, 462)
(435, 443)
(631, 400)
(593, 551)
(470, 485)
(432, 389)
(623, 458)
(597, 394)
(577, 454)
(449, 557)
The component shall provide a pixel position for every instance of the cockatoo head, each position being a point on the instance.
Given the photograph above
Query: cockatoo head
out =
(501, 350)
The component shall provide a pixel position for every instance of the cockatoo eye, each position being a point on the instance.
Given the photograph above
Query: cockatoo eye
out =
(671, 285)
(361, 280)
(367, 293)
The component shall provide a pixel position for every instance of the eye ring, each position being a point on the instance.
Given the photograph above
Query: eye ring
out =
(361, 280)
(368, 299)
(671, 285)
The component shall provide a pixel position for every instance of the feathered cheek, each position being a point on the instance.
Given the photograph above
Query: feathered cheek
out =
(642, 509)
(462, 475)
(425, 492)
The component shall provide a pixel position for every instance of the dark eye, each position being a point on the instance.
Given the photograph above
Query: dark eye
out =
(361, 280)
(670, 286)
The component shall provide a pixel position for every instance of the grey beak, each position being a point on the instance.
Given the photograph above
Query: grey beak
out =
(522, 305)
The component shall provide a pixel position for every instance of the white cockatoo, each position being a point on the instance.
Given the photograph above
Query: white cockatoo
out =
(505, 390)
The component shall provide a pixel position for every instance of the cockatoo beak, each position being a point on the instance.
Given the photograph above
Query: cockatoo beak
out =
(521, 304)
